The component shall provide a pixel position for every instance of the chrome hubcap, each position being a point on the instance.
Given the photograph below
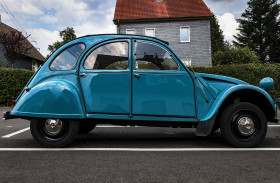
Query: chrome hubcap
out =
(246, 126)
(53, 126)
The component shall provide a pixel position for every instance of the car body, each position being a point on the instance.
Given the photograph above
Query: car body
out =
(136, 80)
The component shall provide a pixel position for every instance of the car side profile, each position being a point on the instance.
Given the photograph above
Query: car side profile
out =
(137, 80)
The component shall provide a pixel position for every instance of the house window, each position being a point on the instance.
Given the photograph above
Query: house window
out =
(34, 65)
(187, 62)
(130, 31)
(185, 34)
(150, 32)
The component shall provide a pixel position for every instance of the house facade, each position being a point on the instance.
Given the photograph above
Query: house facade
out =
(32, 61)
(185, 24)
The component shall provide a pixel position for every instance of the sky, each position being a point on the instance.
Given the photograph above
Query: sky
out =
(43, 19)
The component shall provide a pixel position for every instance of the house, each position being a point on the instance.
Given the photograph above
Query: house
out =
(185, 24)
(31, 61)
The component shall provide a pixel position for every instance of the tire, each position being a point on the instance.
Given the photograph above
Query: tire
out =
(243, 125)
(86, 127)
(60, 135)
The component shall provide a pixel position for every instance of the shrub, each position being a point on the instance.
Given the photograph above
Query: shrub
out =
(12, 81)
(235, 55)
(250, 73)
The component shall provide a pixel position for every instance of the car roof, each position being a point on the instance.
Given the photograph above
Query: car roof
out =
(126, 36)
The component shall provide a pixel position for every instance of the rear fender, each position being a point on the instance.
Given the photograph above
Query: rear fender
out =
(53, 98)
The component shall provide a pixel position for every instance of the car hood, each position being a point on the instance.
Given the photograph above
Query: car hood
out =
(216, 83)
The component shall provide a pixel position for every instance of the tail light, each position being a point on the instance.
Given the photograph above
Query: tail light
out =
(13, 103)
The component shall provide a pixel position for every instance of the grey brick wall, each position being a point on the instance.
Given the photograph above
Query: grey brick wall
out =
(199, 47)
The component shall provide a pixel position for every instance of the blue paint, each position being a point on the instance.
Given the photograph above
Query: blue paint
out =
(118, 94)
(267, 83)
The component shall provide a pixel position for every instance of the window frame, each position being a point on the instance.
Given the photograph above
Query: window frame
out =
(134, 57)
(189, 34)
(154, 29)
(115, 41)
(130, 30)
(63, 51)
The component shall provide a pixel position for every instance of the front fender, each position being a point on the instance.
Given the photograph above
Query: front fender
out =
(224, 94)
(53, 98)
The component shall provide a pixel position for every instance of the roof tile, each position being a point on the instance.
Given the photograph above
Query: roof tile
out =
(151, 9)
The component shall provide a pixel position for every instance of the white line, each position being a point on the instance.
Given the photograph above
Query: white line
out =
(141, 149)
(273, 125)
(15, 133)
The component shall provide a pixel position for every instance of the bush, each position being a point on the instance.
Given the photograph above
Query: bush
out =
(12, 81)
(235, 55)
(250, 73)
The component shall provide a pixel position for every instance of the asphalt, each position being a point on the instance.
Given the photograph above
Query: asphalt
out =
(136, 166)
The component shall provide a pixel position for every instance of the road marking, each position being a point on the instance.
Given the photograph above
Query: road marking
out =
(9, 126)
(15, 133)
(141, 149)
(273, 125)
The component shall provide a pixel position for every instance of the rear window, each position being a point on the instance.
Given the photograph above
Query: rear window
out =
(67, 59)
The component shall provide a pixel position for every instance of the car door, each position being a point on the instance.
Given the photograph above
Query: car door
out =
(161, 86)
(105, 78)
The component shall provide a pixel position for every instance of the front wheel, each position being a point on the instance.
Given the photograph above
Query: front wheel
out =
(243, 125)
(54, 132)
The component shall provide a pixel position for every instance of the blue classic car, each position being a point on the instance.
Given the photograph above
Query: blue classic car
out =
(137, 80)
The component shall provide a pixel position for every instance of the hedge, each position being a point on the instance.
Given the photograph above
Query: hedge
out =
(250, 73)
(12, 81)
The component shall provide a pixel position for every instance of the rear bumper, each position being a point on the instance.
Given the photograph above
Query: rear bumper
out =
(7, 115)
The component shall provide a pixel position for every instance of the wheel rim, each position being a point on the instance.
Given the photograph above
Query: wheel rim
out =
(246, 126)
(53, 129)
(53, 126)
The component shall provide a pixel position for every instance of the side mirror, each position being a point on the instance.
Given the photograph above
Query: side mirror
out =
(266, 83)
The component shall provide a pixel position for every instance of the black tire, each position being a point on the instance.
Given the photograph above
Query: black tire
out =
(86, 127)
(67, 132)
(243, 125)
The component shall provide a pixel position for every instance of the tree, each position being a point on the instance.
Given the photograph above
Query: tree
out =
(14, 45)
(217, 37)
(259, 29)
(67, 35)
(233, 54)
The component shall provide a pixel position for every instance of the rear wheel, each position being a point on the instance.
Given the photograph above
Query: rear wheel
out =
(54, 132)
(243, 125)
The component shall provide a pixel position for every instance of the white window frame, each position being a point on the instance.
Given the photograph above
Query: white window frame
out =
(151, 29)
(188, 35)
(187, 61)
(130, 30)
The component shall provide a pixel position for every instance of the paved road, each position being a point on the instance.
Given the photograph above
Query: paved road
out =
(78, 165)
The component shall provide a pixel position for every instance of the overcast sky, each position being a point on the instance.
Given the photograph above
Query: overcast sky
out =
(44, 18)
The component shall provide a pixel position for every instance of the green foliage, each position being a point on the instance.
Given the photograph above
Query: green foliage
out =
(260, 29)
(67, 35)
(12, 81)
(250, 73)
(235, 55)
(217, 37)
(1, 64)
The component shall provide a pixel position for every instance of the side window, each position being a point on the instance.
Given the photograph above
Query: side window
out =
(67, 59)
(152, 57)
(112, 56)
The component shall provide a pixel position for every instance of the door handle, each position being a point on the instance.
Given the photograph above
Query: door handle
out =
(83, 75)
(137, 76)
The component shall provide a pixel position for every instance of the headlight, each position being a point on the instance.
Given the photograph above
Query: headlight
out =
(266, 83)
